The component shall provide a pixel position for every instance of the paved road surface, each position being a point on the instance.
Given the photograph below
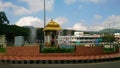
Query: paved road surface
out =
(114, 64)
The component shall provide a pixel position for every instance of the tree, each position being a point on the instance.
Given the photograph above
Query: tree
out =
(40, 34)
(3, 18)
(108, 38)
(14, 30)
(10, 31)
(3, 23)
(67, 32)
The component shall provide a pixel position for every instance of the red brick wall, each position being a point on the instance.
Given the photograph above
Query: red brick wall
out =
(1, 54)
(57, 54)
(82, 50)
(35, 51)
(22, 50)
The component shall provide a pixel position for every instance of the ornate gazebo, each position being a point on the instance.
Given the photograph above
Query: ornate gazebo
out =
(52, 31)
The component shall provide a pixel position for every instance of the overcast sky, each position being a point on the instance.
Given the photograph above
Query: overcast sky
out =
(88, 15)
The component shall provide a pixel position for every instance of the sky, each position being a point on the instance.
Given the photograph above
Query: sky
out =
(86, 15)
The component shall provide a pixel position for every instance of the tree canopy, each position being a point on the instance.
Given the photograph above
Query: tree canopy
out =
(3, 23)
(40, 34)
(10, 31)
(14, 30)
(108, 38)
(3, 18)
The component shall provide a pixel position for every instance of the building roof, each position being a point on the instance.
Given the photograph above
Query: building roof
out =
(52, 25)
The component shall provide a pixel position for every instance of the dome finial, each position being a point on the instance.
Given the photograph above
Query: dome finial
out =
(51, 20)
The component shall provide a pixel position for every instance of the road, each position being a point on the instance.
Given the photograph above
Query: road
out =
(114, 64)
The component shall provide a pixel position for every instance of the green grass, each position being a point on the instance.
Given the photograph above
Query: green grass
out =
(2, 50)
(109, 50)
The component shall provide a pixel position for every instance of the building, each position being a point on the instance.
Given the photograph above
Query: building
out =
(117, 37)
(80, 38)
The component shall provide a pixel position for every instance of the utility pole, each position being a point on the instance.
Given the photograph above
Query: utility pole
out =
(44, 19)
(44, 13)
(109, 35)
(109, 28)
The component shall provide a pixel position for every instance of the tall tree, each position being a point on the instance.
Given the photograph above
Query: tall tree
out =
(3, 23)
(3, 18)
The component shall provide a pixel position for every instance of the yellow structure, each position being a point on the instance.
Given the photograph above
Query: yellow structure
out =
(52, 31)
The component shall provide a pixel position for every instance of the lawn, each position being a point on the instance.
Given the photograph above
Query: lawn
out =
(2, 50)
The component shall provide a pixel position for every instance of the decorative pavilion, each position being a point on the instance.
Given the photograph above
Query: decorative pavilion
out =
(52, 32)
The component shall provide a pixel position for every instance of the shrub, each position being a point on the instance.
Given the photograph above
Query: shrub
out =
(57, 50)
(109, 50)
(2, 49)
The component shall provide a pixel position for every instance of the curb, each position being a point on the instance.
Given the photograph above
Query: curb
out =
(58, 61)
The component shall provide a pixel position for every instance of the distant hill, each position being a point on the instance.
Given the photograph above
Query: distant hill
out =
(65, 32)
(112, 31)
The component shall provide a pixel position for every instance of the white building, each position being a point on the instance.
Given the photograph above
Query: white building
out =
(117, 37)
(79, 38)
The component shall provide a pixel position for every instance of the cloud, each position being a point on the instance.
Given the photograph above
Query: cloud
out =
(69, 2)
(37, 5)
(33, 6)
(30, 21)
(16, 9)
(61, 20)
(36, 22)
(93, 1)
(5, 5)
(113, 20)
(78, 26)
(20, 10)
(95, 28)
(97, 17)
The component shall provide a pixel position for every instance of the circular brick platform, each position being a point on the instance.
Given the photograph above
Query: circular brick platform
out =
(32, 55)
(58, 59)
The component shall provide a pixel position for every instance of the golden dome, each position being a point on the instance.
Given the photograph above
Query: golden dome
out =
(52, 26)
